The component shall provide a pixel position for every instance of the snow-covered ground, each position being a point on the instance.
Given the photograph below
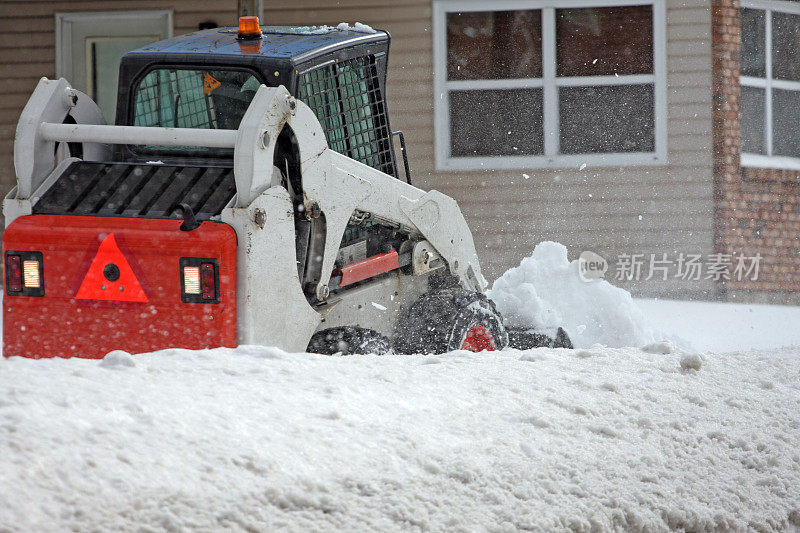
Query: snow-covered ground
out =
(723, 326)
(257, 439)
(598, 438)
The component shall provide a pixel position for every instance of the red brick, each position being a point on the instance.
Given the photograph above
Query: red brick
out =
(758, 209)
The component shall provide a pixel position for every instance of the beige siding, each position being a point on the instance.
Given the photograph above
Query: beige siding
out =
(595, 209)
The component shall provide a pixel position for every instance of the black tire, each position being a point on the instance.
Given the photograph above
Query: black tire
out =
(349, 340)
(439, 322)
(524, 339)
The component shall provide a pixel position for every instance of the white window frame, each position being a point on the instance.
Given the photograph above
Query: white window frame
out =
(768, 83)
(550, 84)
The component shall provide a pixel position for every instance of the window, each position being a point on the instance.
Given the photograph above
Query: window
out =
(537, 83)
(90, 45)
(186, 98)
(346, 98)
(770, 84)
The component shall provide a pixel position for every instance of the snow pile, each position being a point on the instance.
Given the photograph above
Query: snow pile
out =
(357, 27)
(545, 291)
(257, 439)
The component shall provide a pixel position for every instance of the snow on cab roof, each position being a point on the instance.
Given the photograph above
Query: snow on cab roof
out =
(282, 42)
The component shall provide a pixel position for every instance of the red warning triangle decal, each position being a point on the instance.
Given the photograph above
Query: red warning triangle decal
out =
(110, 276)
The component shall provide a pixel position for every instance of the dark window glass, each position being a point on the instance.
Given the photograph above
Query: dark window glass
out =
(500, 122)
(785, 121)
(752, 104)
(182, 98)
(176, 98)
(753, 43)
(489, 45)
(785, 46)
(604, 41)
(606, 119)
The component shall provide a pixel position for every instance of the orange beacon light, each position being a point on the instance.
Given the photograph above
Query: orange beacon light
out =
(249, 28)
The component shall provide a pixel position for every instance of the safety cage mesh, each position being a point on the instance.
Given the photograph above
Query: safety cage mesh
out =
(347, 100)
(173, 98)
(191, 98)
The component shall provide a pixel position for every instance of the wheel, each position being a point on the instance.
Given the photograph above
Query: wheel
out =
(450, 319)
(349, 340)
(523, 339)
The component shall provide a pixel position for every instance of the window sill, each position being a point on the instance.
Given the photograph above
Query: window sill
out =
(577, 162)
(767, 161)
(765, 168)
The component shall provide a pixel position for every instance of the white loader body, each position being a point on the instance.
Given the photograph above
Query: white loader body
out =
(272, 308)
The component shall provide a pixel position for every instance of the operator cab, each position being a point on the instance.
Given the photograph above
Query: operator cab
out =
(207, 79)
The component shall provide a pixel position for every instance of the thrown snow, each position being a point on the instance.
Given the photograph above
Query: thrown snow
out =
(545, 291)
(257, 439)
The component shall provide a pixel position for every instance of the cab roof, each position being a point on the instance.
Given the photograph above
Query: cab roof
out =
(287, 43)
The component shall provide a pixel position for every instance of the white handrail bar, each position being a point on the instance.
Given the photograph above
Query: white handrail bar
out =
(94, 133)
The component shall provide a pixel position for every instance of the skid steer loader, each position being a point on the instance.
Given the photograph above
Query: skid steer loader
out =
(249, 194)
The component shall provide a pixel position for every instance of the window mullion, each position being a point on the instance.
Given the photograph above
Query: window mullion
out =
(490, 84)
(768, 73)
(550, 93)
(595, 81)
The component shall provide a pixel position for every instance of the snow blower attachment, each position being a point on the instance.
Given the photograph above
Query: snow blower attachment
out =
(248, 195)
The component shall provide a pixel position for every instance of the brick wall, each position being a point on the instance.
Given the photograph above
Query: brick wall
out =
(757, 210)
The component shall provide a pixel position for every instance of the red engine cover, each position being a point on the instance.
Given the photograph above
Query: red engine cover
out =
(83, 314)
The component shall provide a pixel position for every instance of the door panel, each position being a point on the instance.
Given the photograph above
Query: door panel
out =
(90, 45)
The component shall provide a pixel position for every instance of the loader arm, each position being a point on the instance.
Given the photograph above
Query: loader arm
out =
(339, 185)
(435, 216)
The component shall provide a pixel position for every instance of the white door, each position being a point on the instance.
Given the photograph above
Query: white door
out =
(90, 45)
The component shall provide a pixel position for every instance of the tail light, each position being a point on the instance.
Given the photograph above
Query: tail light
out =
(199, 280)
(13, 273)
(208, 281)
(24, 273)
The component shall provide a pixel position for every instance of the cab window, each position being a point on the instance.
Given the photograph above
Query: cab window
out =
(346, 98)
(187, 98)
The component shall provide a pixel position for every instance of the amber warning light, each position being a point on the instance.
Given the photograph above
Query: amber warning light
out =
(249, 28)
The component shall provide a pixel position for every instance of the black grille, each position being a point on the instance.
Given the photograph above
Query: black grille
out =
(150, 191)
(346, 97)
